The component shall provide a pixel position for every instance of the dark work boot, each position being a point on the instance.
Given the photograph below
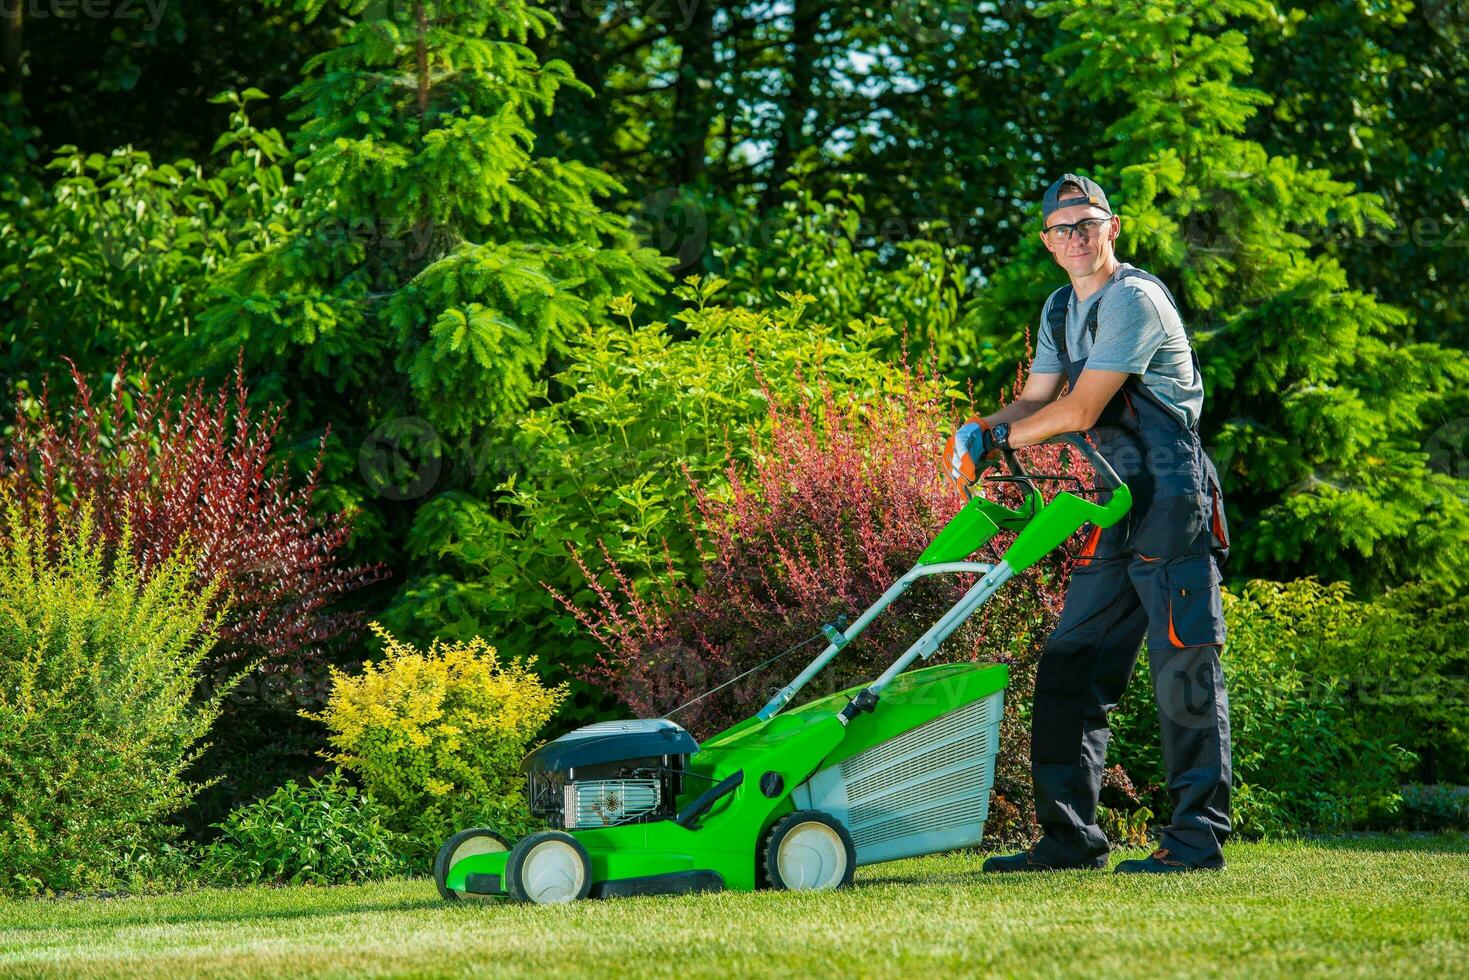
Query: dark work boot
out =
(1162, 861)
(1027, 860)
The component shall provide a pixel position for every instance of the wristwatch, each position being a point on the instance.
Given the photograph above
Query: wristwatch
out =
(1000, 435)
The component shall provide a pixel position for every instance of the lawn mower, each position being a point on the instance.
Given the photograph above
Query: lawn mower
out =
(790, 799)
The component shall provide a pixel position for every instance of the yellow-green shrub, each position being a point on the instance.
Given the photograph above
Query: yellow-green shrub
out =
(438, 737)
(98, 719)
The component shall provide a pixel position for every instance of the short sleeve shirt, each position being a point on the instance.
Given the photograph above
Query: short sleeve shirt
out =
(1138, 332)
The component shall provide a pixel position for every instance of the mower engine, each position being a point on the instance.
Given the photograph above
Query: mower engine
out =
(610, 773)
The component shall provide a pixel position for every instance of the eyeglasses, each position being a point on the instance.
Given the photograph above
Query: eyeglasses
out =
(1086, 228)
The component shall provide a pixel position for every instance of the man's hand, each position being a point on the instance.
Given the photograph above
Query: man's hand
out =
(966, 454)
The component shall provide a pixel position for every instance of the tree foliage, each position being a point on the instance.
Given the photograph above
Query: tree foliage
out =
(114, 252)
(428, 243)
(1316, 407)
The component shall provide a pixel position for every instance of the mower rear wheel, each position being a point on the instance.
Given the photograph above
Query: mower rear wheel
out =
(548, 868)
(466, 843)
(809, 850)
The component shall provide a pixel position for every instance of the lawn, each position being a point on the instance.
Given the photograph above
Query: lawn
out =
(1377, 905)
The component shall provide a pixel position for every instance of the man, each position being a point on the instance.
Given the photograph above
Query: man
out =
(1115, 337)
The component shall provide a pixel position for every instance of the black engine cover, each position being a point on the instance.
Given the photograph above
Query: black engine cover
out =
(611, 741)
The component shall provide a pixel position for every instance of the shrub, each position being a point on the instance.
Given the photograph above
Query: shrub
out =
(1436, 807)
(194, 465)
(323, 833)
(1304, 754)
(97, 718)
(437, 738)
(197, 465)
(635, 403)
(838, 502)
(1405, 661)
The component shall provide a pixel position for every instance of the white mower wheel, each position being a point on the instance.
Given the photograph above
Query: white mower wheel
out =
(809, 850)
(466, 843)
(548, 868)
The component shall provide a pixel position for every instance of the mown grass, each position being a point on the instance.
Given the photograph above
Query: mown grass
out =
(1369, 905)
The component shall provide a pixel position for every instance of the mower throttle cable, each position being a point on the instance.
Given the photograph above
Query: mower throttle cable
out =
(839, 625)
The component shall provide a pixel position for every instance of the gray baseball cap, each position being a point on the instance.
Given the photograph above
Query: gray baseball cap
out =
(1091, 193)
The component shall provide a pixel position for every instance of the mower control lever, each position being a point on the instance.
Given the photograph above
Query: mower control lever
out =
(689, 815)
(833, 631)
(1017, 473)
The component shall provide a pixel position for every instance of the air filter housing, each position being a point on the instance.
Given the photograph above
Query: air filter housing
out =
(607, 802)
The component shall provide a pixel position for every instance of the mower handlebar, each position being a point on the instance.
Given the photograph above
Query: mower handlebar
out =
(1105, 473)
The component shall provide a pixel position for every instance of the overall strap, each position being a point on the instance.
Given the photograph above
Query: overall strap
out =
(1056, 321)
(1135, 384)
(1091, 316)
(1061, 302)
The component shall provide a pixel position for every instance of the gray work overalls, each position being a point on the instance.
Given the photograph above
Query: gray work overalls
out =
(1156, 571)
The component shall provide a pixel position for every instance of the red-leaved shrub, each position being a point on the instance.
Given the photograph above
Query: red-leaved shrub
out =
(195, 466)
(839, 502)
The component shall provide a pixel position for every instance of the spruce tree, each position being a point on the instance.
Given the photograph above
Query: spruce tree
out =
(1315, 411)
(433, 262)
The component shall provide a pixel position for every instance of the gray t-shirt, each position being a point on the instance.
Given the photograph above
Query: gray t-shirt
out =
(1138, 331)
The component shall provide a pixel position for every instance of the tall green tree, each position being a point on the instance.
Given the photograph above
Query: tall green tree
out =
(1382, 91)
(1316, 408)
(432, 261)
(932, 110)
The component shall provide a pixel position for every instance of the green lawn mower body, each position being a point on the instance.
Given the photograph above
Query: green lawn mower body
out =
(898, 767)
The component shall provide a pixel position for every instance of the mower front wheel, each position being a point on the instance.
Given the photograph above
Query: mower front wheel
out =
(548, 868)
(809, 850)
(466, 843)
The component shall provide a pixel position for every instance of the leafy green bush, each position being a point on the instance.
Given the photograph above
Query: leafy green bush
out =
(97, 716)
(825, 247)
(118, 252)
(1406, 663)
(1436, 807)
(437, 737)
(323, 833)
(1305, 753)
(637, 403)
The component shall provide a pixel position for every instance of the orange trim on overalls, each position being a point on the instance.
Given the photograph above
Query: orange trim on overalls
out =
(1090, 547)
(1172, 635)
